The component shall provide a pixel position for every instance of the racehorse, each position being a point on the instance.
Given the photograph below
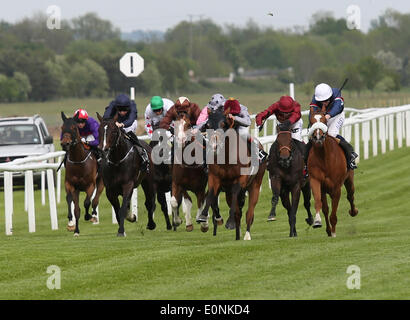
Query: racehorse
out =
(231, 174)
(285, 166)
(121, 172)
(81, 173)
(187, 177)
(328, 172)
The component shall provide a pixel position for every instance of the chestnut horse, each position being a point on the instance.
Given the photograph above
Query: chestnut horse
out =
(230, 173)
(328, 172)
(121, 172)
(81, 173)
(187, 176)
(285, 166)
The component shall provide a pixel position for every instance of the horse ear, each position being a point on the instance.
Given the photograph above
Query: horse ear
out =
(63, 116)
(99, 117)
(76, 116)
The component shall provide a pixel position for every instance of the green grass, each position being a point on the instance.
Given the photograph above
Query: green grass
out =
(163, 264)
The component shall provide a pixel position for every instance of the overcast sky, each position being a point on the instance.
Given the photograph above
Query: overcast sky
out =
(130, 15)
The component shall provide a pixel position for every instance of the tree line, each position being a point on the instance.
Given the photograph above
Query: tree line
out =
(81, 58)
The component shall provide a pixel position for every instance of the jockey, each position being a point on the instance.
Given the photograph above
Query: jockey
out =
(239, 113)
(217, 101)
(332, 101)
(289, 117)
(127, 120)
(88, 128)
(182, 104)
(155, 111)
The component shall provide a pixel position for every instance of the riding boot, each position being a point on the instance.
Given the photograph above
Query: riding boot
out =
(349, 152)
(302, 148)
(141, 151)
(307, 148)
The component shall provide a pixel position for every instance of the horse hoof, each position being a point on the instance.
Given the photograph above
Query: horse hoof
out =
(151, 226)
(219, 221)
(309, 221)
(121, 234)
(230, 224)
(132, 219)
(76, 234)
(247, 236)
(87, 217)
(333, 235)
(317, 224)
(354, 212)
(202, 218)
(169, 227)
(204, 228)
(189, 228)
(95, 220)
(272, 218)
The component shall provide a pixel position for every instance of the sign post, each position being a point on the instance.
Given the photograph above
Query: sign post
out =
(132, 65)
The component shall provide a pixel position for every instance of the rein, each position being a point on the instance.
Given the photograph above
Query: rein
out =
(117, 142)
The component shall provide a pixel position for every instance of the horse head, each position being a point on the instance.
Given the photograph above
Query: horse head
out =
(284, 143)
(318, 129)
(182, 124)
(109, 132)
(70, 136)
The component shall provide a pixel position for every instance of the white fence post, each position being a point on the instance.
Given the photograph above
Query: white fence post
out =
(30, 199)
(408, 128)
(52, 199)
(374, 137)
(8, 201)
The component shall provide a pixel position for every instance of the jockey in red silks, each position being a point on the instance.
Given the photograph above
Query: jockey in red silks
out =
(289, 117)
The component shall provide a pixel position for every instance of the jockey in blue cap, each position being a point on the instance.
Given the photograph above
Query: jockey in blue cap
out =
(127, 120)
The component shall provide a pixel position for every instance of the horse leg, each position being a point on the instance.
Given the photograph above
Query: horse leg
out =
(175, 203)
(149, 191)
(216, 217)
(325, 209)
(87, 202)
(113, 198)
(349, 185)
(77, 210)
(316, 190)
(188, 218)
(306, 202)
(163, 202)
(213, 191)
(284, 196)
(253, 199)
(200, 198)
(127, 190)
(275, 186)
(69, 199)
(234, 192)
(293, 210)
(333, 215)
(94, 203)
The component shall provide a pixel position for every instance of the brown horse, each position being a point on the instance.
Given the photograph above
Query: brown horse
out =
(285, 166)
(328, 172)
(81, 173)
(187, 177)
(121, 171)
(230, 173)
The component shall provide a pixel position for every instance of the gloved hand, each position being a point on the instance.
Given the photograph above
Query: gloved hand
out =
(260, 116)
(285, 125)
(83, 140)
(171, 129)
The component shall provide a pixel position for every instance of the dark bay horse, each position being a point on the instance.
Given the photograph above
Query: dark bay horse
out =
(121, 173)
(81, 173)
(230, 173)
(328, 172)
(187, 177)
(285, 166)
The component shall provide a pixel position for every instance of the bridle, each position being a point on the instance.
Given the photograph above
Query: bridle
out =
(73, 143)
(116, 144)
